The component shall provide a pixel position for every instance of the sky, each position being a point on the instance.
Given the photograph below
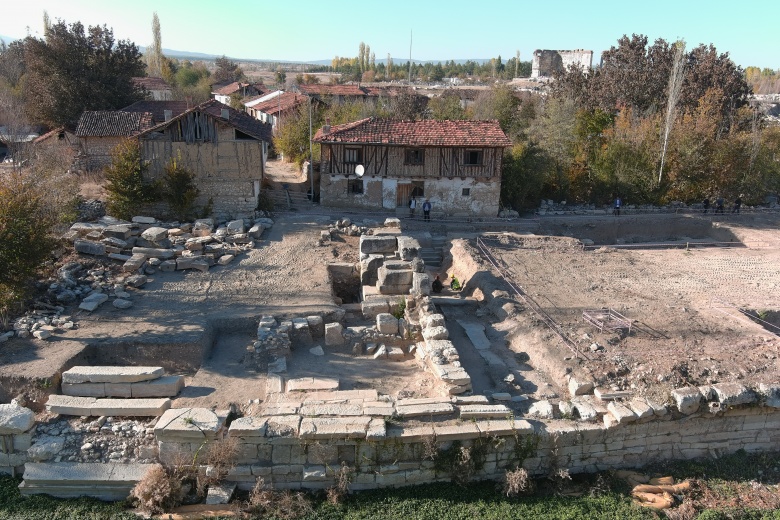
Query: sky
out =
(308, 30)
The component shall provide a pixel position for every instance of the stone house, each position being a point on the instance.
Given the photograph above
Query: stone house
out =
(99, 132)
(161, 111)
(277, 108)
(225, 92)
(455, 164)
(225, 148)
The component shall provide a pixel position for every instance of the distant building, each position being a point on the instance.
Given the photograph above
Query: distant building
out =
(548, 62)
(158, 89)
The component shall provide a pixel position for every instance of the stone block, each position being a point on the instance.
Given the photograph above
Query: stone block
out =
(165, 386)
(770, 394)
(372, 308)
(117, 390)
(282, 426)
(118, 231)
(421, 284)
(334, 427)
(641, 408)
(483, 411)
(140, 219)
(93, 301)
(733, 394)
(154, 234)
(377, 429)
(121, 303)
(188, 425)
(316, 326)
(435, 333)
(15, 419)
(408, 247)
(423, 410)
(377, 244)
(621, 413)
(392, 222)
(220, 493)
(89, 248)
(310, 384)
(542, 409)
(386, 323)
(687, 399)
(235, 227)
(192, 262)
(168, 266)
(334, 334)
(111, 374)
(394, 277)
(130, 407)
(369, 267)
(46, 447)
(153, 252)
(395, 354)
(579, 387)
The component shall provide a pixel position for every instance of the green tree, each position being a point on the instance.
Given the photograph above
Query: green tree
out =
(178, 189)
(501, 104)
(523, 176)
(125, 181)
(74, 70)
(154, 54)
(227, 71)
(25, 236)
(446, 107)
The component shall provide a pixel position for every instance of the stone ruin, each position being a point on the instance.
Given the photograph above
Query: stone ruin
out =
(547, 62)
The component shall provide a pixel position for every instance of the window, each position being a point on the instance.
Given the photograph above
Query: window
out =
(472, 157)
(355, 186)
(418, 189)
(415, 156)
(241, 136)
(353, 156)
(466, 192)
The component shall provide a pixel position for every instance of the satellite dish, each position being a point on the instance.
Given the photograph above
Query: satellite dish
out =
(359, 170)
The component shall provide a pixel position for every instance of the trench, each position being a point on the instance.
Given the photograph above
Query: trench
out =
(345, 283)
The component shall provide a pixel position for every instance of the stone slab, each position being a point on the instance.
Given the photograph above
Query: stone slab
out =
(476, 334)
(423, 410)
(111, 374)
(185, 424)
(108, 481)
(248, 427)
(309, 384)
(165, 386)
(15, 419)
(334, 427)
(152, 252)
(130, 407)
(482, 411)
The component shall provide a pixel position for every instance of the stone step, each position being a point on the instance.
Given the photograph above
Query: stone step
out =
(311, 384)
(90, 406)
(105, 481)
(111, 374)
(483, 411)
(423, 410)
(166, 386)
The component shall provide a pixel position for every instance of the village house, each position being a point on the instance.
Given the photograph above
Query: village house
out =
(239, 89)
(226, 150)
(99, 132)
(455, 164)
(277, 108)
(158, 88)
(161, 111)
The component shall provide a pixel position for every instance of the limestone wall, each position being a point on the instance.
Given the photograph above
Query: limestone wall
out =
(288, 453)
(548, 62)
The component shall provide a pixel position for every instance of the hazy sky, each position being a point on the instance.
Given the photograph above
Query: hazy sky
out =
(303, 30)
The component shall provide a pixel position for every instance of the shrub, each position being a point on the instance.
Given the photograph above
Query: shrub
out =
(284, 505)
(158, 491)
(178, 189)
(517, 482)
(340, 489)
(399, 313)
(126, 187)
(25, 242)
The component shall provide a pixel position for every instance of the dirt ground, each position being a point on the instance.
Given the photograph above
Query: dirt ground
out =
(688, 305)
(684, 303)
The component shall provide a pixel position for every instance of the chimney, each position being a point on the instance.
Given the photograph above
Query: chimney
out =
(168, 114)
(225, 113)
(326, 128)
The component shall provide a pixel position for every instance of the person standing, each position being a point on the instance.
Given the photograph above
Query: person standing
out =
(427, 209)
(706, 204)
(618, 203)
(719, 208)
(412, 206)
(737, 205)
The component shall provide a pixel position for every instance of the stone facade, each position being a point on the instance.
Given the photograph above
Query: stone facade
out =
(548, 62)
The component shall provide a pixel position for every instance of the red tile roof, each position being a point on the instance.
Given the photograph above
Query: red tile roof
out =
(151, 83)
(332, 90)
(158, 108)
(417, 133)
(239, 120)
(281, 103)
(112, 123)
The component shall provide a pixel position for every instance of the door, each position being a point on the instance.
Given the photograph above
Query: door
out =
(402, 194)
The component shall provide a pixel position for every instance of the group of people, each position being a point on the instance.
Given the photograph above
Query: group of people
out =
(426, 207)
(720, 205)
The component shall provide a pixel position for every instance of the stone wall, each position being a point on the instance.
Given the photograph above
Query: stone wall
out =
(289, 453)
(97, 151)
(547, 62)
(446, 195)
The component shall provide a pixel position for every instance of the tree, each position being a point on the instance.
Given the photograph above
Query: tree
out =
(178, 189)
(501, 104)
(279, 76)
(24, 235)
(227, 71)
(154, 54)
(125, 180)
(446, 107)
(676, 78)
(74, 70)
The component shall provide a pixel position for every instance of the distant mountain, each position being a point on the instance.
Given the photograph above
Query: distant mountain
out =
(6, 39)
(405, 60)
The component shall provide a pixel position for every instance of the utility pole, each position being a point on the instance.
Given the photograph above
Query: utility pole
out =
(311, 155)
(410, 56)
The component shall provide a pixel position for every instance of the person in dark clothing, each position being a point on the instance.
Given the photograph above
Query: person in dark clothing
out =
(427, 209)
(618, 203)
(706, 204)
(737, 205)
(436, 285)
(719, 208)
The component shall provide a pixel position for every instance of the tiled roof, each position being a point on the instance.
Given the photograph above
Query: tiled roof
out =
(158, 108)
(228, 89)
(152, 83)
(281, 103)
(239, 120)
(112, 123)
(332, 90)
(417, 133)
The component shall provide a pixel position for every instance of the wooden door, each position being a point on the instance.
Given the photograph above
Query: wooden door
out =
(402, 194)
